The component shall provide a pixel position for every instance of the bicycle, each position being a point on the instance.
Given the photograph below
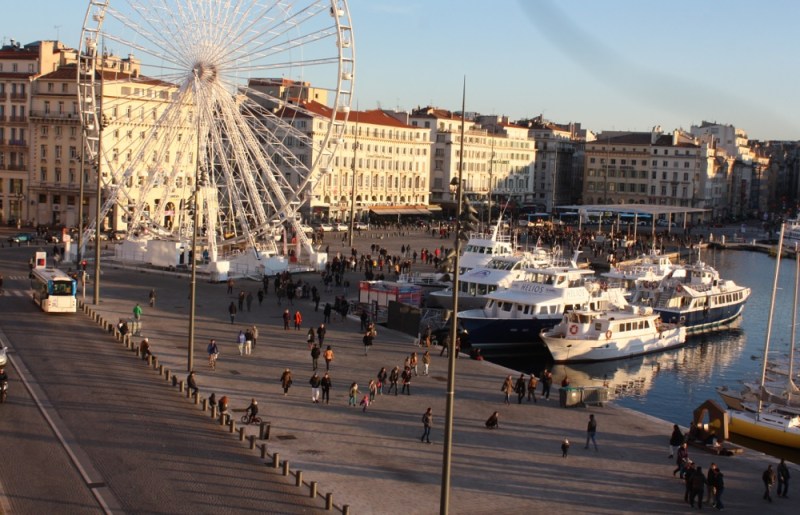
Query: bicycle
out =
(246, 419)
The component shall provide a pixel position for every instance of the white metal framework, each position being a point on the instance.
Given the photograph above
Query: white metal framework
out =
(221, 98)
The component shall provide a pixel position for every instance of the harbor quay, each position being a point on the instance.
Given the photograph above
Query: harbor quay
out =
(373, 460)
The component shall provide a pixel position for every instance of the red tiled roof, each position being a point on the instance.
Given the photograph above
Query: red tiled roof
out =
(374, 117)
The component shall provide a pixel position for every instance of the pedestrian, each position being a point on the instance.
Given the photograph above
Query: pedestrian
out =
(382, 376)
(372, 388)
(321, 334)
(564, 448)
(493, 422)
(427, 423)
(240, 339)
(426, 362)
(298, 320)
(326, 384)
(367, 340)
(230, 285)
(532, 382)
(783, 479)
(413, 361)
(310, 337)
(326, 313)
(314, 357)
(768, 477)
(675, 440)
(591, 431)
(152, 297)
(519, 387)
(254, 333)
(260, 297)
(137, 317)
(248, 341)
(507, 388)
(191, 383)
(213, 354)
(393, 378)
(249, 300)
(353, 394)
(286, 381)
(711, 479)
(697, 485)
(365, 402)
(315, 383)
(241, 300)
(364, 320)
(286, 319)
(547, 381)
(719, 488)
(681, 460)
(315, 297)
(687, 481)
(406, 377)
(232, 312)
(328, 356)
(144, 349)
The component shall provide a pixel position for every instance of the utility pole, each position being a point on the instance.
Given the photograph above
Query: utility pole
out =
(103, 121)
(353, 187)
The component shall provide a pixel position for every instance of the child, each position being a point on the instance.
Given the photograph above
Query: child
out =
(353, 394)
(564, 448)
(365, 402)
(494, 421)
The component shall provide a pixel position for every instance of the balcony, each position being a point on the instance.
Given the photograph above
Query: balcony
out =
(18, 97)
(50, 115)
(3, 95)
(20, 118)
(16, 167)
(17, 143)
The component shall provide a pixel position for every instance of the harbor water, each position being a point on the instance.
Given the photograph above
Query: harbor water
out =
(671, 384)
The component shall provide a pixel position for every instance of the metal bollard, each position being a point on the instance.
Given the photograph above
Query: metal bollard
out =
(214, 411)
(222, 419)
(241, 434)
(232, 428)
(252, 440)
(263, 451)
(166, 374)
(188, 392)
(174, 380)
(138, 350)
(161, 369)
(329, 501)
(276, 460)
(205, 404)
(346, 509)
(181, 385)
(155, 361)
(285, 470)
(197, 398)
(264, 430)
(298, 478)
(312, 489)
(149, 360)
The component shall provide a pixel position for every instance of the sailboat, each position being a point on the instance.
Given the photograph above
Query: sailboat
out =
(774, 423)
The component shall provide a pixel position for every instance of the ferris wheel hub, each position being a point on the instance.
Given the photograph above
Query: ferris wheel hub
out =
(205, 72)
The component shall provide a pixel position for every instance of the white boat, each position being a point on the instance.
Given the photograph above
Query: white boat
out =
(516, 316)
(591, 335)
(498, 273)
(481, 248)
(648, 269)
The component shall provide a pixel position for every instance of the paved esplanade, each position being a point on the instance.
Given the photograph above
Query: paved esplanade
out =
(374, 460)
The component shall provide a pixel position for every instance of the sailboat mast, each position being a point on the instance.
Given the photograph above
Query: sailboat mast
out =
(790, 388)
(769, 320)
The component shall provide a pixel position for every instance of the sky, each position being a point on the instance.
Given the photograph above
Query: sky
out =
(610, 65)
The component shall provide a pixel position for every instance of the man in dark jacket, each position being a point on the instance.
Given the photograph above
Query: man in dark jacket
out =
(697, 485)
(314, 357)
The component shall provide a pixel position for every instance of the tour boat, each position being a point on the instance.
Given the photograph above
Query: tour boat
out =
(515, 316)
(694, 296)
(592, 335)
(647, 269)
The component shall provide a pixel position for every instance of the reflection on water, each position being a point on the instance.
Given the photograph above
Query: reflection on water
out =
(671, 384)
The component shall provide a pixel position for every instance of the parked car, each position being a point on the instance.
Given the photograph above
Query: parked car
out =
(361, 226)
(662, 222)
(325, 227)
(341, 226)
(21, 237)
(307, 229)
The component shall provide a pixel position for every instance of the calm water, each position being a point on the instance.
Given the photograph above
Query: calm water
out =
(671, 384)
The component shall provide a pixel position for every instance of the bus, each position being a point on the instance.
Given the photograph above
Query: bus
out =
(53, 290)
(534, 219)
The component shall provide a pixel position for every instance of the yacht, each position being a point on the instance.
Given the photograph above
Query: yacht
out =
(647, 269)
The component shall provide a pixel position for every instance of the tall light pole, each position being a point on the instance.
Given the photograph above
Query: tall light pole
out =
(103, 121)
(199, 180)
(353, 186)
(444, 502)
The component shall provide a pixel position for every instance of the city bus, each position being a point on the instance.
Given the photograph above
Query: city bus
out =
(53, 290)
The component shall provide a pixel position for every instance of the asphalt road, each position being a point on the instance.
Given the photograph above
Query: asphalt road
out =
(120, 440)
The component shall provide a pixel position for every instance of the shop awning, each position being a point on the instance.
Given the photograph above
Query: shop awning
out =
(400, 210)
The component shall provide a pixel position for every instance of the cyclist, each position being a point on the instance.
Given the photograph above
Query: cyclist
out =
(252, 411)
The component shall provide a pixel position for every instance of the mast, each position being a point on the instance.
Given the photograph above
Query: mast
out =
(791, 388)
(769, 321)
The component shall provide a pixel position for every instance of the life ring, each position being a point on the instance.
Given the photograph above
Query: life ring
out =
(608, 334)
(573, 329)
(679, 288)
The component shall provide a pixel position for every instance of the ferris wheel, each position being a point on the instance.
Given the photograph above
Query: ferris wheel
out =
(232, 108)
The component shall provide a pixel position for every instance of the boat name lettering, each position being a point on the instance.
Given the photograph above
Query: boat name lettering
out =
(533, 288)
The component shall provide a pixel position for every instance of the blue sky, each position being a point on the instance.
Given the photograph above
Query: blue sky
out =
(616, 64)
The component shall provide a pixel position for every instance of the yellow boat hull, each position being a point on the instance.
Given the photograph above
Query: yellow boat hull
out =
(748, 426)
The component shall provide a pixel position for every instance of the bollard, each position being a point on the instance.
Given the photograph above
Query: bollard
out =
(161, 369)
(241, 434)
(276, 459)
(188, 392)
(312, 489)
(265, 427)
(263, 451)
(329, 501)
(175, 380)
(232, 428)
(138, 350)
(298, 478)
(285, 470)
(214, 411)
(197, 398)
(181, 385)
(252, 440)
(346, 509)
(205, 404)
(166, 374)
(155, 361)
(222, 419)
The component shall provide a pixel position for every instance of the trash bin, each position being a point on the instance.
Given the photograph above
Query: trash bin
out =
(595, 395)
(569, 397)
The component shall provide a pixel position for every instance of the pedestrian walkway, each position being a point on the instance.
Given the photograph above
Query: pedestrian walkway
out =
(374, 461)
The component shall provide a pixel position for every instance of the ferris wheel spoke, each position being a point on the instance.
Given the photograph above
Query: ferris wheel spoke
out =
(153, 43)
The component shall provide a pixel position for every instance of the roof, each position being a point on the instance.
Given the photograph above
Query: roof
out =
(373, 117)
(641, 209)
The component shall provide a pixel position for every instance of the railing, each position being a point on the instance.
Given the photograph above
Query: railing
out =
(17, 167)
(17, 118)
(17, 143)
(53, 115)
(18, 97)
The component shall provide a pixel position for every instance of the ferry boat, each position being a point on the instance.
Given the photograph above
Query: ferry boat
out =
(481, 248)
(499, 272)
(694, 296)
(516, 316)
(591, 335)
(647, 269)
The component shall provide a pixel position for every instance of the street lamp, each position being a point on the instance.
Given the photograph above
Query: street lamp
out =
(199, 181)
(353, 188)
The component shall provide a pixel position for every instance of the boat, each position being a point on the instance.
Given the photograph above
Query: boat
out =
(592, 335)
(481, 248)
(694, 295)
(648, 269)
(476, 283)
(770, 422)
(516, 316)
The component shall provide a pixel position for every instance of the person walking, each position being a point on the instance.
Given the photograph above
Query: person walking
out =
(249, 301)
(232, 312)
(393, 378)
(286, 319)
(328, 356)
(321, 330)
(711, 479)
(241, 300)
(314, 357)
(152, 298)
(406, 377)
(326, 313)
(547, 382)
(427, 424)
(315, 383)
(213, 354)
(137, 319)
(298, 320)
(768, 477)
(310, 337)
(675, 440)
(413, 362)
(286, 381)
(519, 387)
(372, 388)
(507, 388)
(230, 285)
(353, 394)
(591, 431)
(697, 485)
(681, 460)
(248, 341)
(254, 333)
(381, 379)
(191, 383)
(564, 448)
(367, 341)
(532, 382)
(783, 479)
(260, 295)
(326, 385)
(426, 362)
(719, 488)
(240, 339)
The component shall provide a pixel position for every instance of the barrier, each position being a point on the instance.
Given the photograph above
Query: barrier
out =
(276, 460)
(329, 501)
(263, 451)
(241, 434)
(252, 440)
(346, 509)
(205, 404)
(298, 478)
(285, 470)
(232, 425)
(264, 430)
(312, 489)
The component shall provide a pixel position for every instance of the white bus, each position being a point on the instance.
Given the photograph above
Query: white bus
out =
(53, 290)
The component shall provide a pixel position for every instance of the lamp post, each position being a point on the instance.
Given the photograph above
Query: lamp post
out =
(444, 502)
(353, 188)
(103, 121)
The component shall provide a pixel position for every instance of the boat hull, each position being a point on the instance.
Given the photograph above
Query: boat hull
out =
(745, 424)
(699, 321)
(573, 350)
(504, 332)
